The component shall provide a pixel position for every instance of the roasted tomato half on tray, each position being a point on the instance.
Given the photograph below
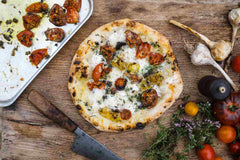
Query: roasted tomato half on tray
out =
(73, 3)
(37, 7)
(72, 15)
(37, 56)
(31, 21)
(57, 15)
(55, 34)
(25, 38)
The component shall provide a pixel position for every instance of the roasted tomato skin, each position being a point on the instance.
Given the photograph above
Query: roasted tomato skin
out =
(132, 39)
(31, 21)
(120, 84)
(57, 15)
(143, 50)
(72, 15)
(228, 111)
(73, 3)
(37, 7)
(55, 34)
(107, 52)
(234, 148)
(149, 98)
(155, 58)
(126, 114)
(37, 56)
(97, 72)
(99, 85)
(25, 38)
(206, 153)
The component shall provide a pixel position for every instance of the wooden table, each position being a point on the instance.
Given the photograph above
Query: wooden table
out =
(28, 135)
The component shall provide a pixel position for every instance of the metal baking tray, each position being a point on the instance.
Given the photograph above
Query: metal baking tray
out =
(16, 71)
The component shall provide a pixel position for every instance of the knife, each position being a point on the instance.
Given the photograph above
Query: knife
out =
(83, 144)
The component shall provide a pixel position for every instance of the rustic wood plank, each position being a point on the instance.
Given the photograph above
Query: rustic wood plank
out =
(27, 134)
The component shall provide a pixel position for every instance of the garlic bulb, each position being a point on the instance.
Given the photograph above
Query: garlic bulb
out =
(202, 56)
(234, 19)
(219, 50)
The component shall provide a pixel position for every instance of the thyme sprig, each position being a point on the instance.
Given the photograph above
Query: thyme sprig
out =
(195, 132)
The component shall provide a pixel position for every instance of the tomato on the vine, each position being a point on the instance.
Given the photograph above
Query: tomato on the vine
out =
(226, 134)
(236, 64)
(234, 148)
(206, 153)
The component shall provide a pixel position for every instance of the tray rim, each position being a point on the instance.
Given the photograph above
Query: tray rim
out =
(14, 98)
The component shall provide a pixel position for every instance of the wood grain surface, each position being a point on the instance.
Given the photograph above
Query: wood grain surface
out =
(28, 135)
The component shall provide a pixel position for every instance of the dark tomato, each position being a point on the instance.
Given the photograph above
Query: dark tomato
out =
(107, 52)
(155, 58)
(31, 21)
(97, 72)
(125, 114)
(72, 15)
(25, 38)
(236, 64)
(55, 34)
(132, 39)
(37, 56)
(37, 7)
(149, 98)
(143, 50)
(120, 84)
(73, 3)
(99, 85)
(228, 111)
(57, 15)
(234, 148)
(206, 153)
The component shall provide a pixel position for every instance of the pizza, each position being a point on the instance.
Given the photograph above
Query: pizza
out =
(123, 76)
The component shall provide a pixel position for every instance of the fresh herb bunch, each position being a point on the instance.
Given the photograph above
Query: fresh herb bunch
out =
(194, 132)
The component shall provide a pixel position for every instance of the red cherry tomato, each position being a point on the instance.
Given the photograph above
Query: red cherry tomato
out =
(96, 74)
(234, 148)
(236, 64)
(226, 134)
(206, 153)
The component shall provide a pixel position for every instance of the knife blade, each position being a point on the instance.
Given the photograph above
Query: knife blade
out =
(83, 144)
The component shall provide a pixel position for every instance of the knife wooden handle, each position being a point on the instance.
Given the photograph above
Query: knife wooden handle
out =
(51, 111)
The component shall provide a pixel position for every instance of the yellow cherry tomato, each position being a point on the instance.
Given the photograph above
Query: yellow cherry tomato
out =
(191, 108)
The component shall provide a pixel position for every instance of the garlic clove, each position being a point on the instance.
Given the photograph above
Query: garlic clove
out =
(234, 17)
(221, 50)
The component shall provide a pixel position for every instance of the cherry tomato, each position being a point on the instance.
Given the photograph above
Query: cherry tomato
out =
(31, 21)
(57, 15)
(132, 39)
(226, 134)
(72, 15)
(97, 72)
(236, 64)
(191, 108)
(55, 34)
(37, 7)
(73, 3)
(120, 84)
(218, 158)
(149, 98)
(37, 56)
(155, 58)
(107, 52)
(234, 148)
(143, 50)
(99, 85)
(25, 38)
(206, 153)
(125, 114)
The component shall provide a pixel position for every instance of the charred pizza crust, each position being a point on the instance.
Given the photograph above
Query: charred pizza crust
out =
(80, 73)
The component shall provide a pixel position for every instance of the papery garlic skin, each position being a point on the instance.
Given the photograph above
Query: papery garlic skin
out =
(201, 55)
(221, 50)
(234, 17)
